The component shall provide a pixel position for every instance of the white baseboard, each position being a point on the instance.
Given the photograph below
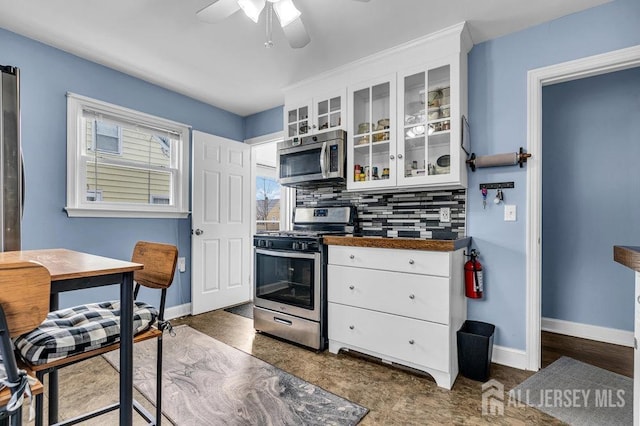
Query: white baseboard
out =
(586, 331)
(510, 357)
(177, 311)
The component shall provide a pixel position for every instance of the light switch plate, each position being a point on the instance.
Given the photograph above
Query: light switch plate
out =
(509, 213)
(181, 264)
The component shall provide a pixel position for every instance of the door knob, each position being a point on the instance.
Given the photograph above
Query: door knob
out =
(199, 232)
(400, 156)
(391, 157)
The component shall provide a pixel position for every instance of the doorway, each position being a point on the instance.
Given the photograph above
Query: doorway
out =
(573, 70)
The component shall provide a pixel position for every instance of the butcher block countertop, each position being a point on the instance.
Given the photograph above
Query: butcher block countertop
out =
(398, 243)
(628, 256)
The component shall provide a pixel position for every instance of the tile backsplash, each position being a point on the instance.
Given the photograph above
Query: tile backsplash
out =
(406, 214)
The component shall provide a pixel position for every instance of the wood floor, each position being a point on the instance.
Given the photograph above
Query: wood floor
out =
(618, 359)
(393, 396)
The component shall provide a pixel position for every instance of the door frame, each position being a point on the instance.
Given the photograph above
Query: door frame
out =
(616, 60)
(287, 200)
(289, 194)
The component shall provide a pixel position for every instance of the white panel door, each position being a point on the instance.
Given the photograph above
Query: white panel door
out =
(221, 223)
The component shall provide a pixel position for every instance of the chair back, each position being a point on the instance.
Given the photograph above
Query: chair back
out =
(25, 288)
(159, 262)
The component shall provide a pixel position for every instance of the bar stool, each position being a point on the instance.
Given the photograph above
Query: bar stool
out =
(24, 303)
(75, 334)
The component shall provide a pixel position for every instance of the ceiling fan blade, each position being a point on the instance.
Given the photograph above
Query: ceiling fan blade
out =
(218, 10)
(296, 34)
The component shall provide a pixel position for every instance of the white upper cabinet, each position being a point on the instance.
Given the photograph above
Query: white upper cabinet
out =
(371, 134)
(315, 115)
(297, 119)
(402, 109)
(429, 150)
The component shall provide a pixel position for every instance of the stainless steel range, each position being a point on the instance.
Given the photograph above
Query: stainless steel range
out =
(290, 275)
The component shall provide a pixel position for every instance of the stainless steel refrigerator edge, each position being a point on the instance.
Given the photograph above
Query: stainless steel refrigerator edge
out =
(11, 191)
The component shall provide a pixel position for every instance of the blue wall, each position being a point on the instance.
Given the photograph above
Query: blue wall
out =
(590, 202)
(46, 75)
(498, 120)
(263, 123)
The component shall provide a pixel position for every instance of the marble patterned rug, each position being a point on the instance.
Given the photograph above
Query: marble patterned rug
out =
(206, 382)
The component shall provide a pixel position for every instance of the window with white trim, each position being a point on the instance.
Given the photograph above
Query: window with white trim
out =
(124, 163)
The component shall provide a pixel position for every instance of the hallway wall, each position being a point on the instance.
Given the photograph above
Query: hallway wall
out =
(590, 197)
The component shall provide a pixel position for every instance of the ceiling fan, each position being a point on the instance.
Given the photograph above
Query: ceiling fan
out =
(285, 10)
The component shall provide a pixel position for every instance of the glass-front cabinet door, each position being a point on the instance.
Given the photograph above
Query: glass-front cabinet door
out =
(424, 138)
(371, 133)
(298, 120)
(329, 112)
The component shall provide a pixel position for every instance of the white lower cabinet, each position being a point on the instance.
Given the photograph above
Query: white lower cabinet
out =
(387, 304)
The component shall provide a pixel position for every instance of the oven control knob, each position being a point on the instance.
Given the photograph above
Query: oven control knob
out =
(269, 244)
(295, 246)
(304, 246)
(262, 243)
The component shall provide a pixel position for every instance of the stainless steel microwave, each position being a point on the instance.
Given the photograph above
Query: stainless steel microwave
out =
(313, 161)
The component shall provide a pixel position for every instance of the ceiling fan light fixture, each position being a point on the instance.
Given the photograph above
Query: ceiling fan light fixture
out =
(252, 8)
(286, 11)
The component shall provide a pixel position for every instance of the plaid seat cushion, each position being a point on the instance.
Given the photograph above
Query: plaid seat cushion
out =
(83, 328)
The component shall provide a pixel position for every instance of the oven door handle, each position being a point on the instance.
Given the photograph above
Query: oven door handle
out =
(323, 160)
(288, 254)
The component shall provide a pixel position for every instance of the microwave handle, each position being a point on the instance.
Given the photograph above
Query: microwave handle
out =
(323, 162)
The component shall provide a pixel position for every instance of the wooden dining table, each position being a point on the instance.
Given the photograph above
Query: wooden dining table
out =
(72, 270)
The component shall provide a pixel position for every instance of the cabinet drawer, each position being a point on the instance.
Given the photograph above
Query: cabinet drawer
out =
(412, 261)
(414, 341)
(422, 297)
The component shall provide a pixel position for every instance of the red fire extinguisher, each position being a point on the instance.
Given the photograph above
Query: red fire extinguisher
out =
(473, 276)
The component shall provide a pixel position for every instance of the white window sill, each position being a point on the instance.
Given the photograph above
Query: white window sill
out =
(105, 212)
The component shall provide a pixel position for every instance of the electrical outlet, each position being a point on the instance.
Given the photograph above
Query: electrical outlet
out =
(182, 264)
(445, 214)
(509, 213)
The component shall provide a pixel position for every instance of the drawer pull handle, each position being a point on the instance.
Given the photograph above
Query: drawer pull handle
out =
(411, 342)
(351, 327)
(638, 299)
(351, 256)
(412, 296)
(411, 262)
(282, 321)
(351, 287)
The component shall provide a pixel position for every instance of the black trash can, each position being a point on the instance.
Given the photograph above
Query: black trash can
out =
(475, 345)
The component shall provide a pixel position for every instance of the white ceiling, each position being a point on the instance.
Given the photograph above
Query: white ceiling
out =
(226, 65)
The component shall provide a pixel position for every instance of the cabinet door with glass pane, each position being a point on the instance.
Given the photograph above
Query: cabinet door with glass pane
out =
(426, 147)
(298, 119)
(329, 111)
(371, 132)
